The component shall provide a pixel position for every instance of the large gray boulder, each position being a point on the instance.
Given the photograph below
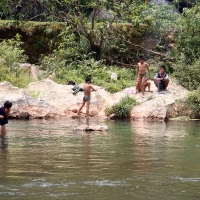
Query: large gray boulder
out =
(158, 107)
(47, 99)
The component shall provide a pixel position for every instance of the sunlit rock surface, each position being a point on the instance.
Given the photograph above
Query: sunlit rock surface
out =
(47, 99)
(157, 106)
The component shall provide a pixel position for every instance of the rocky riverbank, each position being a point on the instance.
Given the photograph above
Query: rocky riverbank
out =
(47, 99)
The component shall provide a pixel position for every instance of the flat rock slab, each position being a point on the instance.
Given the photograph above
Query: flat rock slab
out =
(91, 128)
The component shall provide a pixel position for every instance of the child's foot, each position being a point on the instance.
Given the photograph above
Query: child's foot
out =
(149, 91)
(142, 95)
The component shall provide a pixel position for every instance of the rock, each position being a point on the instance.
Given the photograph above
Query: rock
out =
(33, 70)
(155, 106)
(47, 99)
(91, 128)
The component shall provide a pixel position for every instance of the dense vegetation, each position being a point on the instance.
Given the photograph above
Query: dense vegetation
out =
(94, 38)
(122, 109)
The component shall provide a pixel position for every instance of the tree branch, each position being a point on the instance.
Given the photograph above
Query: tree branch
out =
(150, 51)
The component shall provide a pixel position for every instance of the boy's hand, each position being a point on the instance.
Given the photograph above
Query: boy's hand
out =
(1, 116)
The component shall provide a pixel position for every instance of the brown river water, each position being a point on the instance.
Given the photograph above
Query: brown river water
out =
(46, 159)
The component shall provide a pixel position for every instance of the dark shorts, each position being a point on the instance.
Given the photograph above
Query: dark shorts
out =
(142, 75)
(161, 86)
(86, 98)
(3, 121)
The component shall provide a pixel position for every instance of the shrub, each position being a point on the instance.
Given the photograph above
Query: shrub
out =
(100, 73)
(123, 108)
(193, 102)
(188, 75)
(11, 54)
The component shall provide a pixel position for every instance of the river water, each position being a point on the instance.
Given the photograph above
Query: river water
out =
(46, 159)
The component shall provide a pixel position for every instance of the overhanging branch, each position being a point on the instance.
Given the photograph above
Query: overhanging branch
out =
(150, 51)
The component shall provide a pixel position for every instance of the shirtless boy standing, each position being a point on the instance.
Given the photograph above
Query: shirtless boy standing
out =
(141, 73)
(86, 98)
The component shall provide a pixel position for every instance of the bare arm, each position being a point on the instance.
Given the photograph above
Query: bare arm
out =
(7, 113)
(147, 66)
(137, 70)
(92, 88)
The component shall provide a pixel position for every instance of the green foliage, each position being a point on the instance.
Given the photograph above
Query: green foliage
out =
(22, 80)
(4, 7)
(187, 75)
(193, 101)
(123, 108)
(163, 19)
(150, 98)
(101, 74)
(11, 55)
(186, 51)
(11, 52)
(33, 94)
(187, 35)
(80, 46)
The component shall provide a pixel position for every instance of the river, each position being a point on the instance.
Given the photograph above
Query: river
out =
(46, 159)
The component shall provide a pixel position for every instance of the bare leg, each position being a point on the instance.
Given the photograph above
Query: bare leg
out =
(166, 84)
(138, 85)
(3, 131)
(149, 85)
(87, 121)
(87, 108)
(83, 104)
(3, 137)
(142, 86)
(156, 83)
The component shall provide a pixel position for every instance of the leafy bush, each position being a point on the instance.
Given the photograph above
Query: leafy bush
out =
(101, 74)
(123, 108)
(187, 35)
(11, 54)
(193, 101)
(163, 18)
(187, 75)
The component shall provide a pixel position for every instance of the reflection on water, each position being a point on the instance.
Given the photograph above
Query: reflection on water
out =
(133, 160)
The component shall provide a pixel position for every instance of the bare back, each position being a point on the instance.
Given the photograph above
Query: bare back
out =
(87, 89)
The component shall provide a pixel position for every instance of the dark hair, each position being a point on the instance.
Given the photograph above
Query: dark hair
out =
(71, 82)
(141, 57)
(7, 104)
(88, 79)
(163, 67)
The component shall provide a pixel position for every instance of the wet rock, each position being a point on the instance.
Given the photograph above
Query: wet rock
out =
(91, 128)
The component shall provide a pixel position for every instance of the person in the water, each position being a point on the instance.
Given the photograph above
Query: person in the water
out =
(87, 93)
(4, 114)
